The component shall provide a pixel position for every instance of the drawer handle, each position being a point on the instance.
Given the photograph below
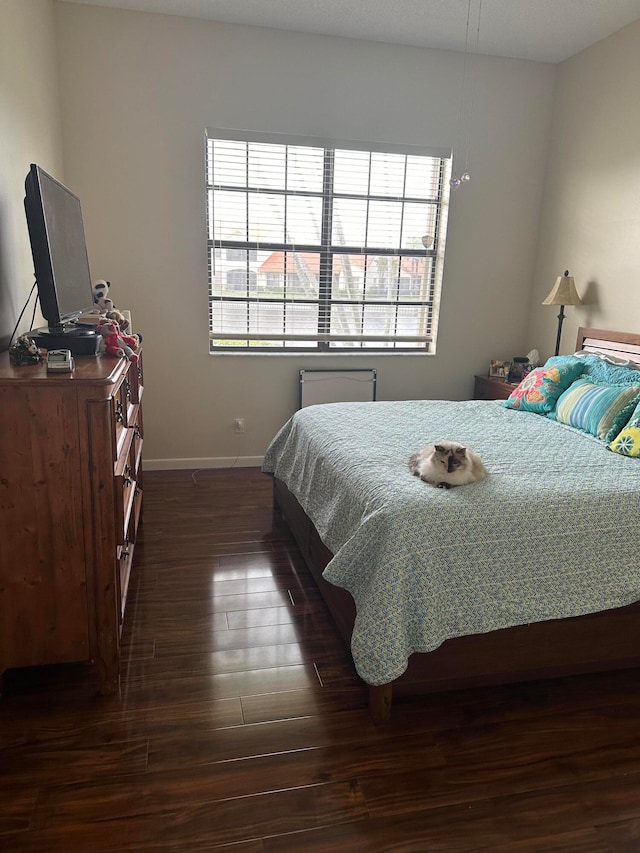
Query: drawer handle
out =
(127, 386)
(137, 432)
(119, 414)
(127, 482)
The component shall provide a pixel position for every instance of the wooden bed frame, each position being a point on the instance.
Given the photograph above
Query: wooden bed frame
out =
(597, 642)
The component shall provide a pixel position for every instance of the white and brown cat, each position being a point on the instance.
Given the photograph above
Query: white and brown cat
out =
(446, 463)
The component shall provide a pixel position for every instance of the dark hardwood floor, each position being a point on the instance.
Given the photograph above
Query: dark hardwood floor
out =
(241, 725)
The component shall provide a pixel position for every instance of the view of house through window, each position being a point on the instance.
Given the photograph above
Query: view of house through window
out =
(323, 248)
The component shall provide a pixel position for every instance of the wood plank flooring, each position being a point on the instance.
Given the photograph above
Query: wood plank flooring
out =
(241, 725)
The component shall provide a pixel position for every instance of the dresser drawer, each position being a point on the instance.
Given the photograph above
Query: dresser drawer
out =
(136, 378)
(120, 415)
(490, 388)
(124, 552)
(125, 483)
(137, 450)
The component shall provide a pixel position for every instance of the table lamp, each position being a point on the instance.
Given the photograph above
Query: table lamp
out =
(562, 293)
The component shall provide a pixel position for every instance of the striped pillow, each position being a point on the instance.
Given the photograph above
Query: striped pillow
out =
(600, 410)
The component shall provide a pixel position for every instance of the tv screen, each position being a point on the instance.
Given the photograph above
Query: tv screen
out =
(56, 231)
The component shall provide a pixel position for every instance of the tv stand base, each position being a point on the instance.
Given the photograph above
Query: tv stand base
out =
(79, 341)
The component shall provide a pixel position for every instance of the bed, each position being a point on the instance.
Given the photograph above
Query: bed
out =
(533, 572)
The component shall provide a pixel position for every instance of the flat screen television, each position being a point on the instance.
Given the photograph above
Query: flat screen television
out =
(61, 265)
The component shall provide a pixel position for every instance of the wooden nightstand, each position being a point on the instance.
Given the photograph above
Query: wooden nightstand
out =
(490, 388)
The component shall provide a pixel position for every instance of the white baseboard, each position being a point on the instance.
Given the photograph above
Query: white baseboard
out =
(199, 464)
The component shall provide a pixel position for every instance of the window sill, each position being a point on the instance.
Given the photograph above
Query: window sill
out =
(298, 354)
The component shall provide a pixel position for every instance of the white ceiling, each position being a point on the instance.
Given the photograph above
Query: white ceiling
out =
(543, 30)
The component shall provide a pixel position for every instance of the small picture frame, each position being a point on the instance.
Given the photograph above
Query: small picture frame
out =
(499, 369)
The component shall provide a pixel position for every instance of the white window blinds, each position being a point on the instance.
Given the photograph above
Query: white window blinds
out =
(315, 247)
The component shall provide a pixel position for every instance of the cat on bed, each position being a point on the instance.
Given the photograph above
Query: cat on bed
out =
(446, 464)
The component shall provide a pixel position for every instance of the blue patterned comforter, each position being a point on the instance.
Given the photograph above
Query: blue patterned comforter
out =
(551, 532)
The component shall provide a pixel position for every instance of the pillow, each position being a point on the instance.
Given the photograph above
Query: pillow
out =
(611, 359)
(563, 360)
(601, 368)
(540, 388)
(601, 410)
(627, 442)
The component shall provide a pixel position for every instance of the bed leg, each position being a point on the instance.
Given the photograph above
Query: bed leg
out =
(380, 702)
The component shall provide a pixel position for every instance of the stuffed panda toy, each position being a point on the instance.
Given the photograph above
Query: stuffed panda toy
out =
(100, 295)
(104, 306)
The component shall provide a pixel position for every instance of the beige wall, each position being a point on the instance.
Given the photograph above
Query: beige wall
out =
(29, 133)
(138, 91)
(591, 213)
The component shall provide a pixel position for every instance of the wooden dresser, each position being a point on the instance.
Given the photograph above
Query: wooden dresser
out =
(70, 503)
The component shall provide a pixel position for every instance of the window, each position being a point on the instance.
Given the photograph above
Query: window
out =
(240, 255)
(323, 248)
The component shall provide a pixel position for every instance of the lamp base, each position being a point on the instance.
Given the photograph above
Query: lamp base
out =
(561, 316)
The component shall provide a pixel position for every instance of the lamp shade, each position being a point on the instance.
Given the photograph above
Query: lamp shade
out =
(563, 292)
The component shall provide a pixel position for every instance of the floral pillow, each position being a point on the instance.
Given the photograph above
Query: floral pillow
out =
(540, 389)
(627, 442)
(599, 409)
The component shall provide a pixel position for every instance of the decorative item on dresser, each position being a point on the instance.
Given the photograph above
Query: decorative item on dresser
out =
(491, 388)
(70, 502)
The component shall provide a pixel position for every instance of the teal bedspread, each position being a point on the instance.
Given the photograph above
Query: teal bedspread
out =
(551, 532)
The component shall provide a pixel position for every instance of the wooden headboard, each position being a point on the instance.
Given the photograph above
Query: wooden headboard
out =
(618, 344)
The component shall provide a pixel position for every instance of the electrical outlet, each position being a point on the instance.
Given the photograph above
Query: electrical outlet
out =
(238, 425)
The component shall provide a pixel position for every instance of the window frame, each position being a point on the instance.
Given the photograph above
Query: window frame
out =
(327, 252)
